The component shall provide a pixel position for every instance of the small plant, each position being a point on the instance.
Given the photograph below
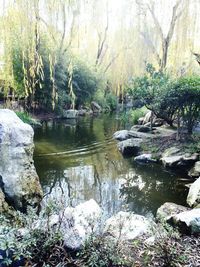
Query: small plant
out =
(103, 252)
(24, 116)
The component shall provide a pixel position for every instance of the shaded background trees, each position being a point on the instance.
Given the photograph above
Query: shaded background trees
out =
(45, 44)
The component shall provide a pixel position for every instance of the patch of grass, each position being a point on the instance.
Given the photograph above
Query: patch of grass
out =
(24, 116)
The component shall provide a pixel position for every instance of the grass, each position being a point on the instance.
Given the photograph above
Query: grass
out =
(24, 116)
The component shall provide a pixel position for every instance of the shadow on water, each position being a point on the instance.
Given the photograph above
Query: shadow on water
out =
(80, 160)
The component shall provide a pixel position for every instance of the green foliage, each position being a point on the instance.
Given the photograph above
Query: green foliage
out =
(132, 116)
(169, 99)
(186, 96)
(108, 101)
(102, 252)
(25, 117)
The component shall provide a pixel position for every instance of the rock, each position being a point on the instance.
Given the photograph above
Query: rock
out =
(80, 223)
(158, 122)
(76, 224)
(82, 112)
(144, 129)
(3, 204)
(127, 226)
(135, 134)
(195, 171)
(193, 198)
(169, 209)
(174, 157)
(171, 152)
(145, 158)
(188, 221)
(147, 117)
(140, 120)
(130, 147)
(18, 178)
(121, 135)
(70, 114)
(96, 108)
(171, 161)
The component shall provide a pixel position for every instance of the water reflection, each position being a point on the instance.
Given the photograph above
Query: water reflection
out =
(81, 161)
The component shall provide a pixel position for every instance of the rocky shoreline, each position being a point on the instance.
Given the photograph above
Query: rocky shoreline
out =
(20, 188)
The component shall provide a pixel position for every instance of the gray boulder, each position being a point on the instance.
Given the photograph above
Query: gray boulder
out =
(158, 122)
(127, 226)
(174, 157)
(76, 224)
(18, 178)
(130, 147)
(195, 171)
(96, 108)
(193, 198)
(145, 158)
(121, 135)
(3, 204)
(188, 221)
(70, 114)
(169, 209)
(140, 120)
(80, 223)
(147, 117)
(144, 129)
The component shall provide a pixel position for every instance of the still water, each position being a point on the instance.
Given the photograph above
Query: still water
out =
(79, 159)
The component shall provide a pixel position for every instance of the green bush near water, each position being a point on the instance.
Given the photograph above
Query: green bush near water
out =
(132, 116)
(25, 117)
(174, 100)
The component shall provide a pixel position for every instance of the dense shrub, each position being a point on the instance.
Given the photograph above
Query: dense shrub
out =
(168, 98)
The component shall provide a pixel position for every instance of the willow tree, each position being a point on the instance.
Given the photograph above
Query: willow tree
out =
(165, 39)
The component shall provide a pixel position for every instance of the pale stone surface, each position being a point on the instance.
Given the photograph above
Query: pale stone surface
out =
(96, 108)
(145, 158)
(188, 221)
(121, 135)
(127, 226)
(130, 147)
(76, 224)
(193, 198)
(18, 177)
(169, 209)
(174, 157)
(70, 114)
(3, 204)
(195, 171)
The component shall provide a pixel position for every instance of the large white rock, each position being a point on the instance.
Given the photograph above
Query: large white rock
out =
(80, 223)
(195, 171)
(193, 198)
(18, 178)
(144, 158)
(188, 221)
(173, 157)
(169, 209)
(127, 226)
(76, 224)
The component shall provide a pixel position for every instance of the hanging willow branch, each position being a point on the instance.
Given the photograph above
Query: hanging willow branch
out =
(70, 85)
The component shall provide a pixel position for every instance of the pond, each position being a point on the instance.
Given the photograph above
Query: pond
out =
(78, 159)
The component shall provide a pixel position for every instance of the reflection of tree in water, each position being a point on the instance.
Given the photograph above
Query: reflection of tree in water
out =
(146, 192)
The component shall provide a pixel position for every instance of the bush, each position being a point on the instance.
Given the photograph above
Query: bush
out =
(169, 99)
(108, 101)
(25, 117)
(186, 93)
(132, 116)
